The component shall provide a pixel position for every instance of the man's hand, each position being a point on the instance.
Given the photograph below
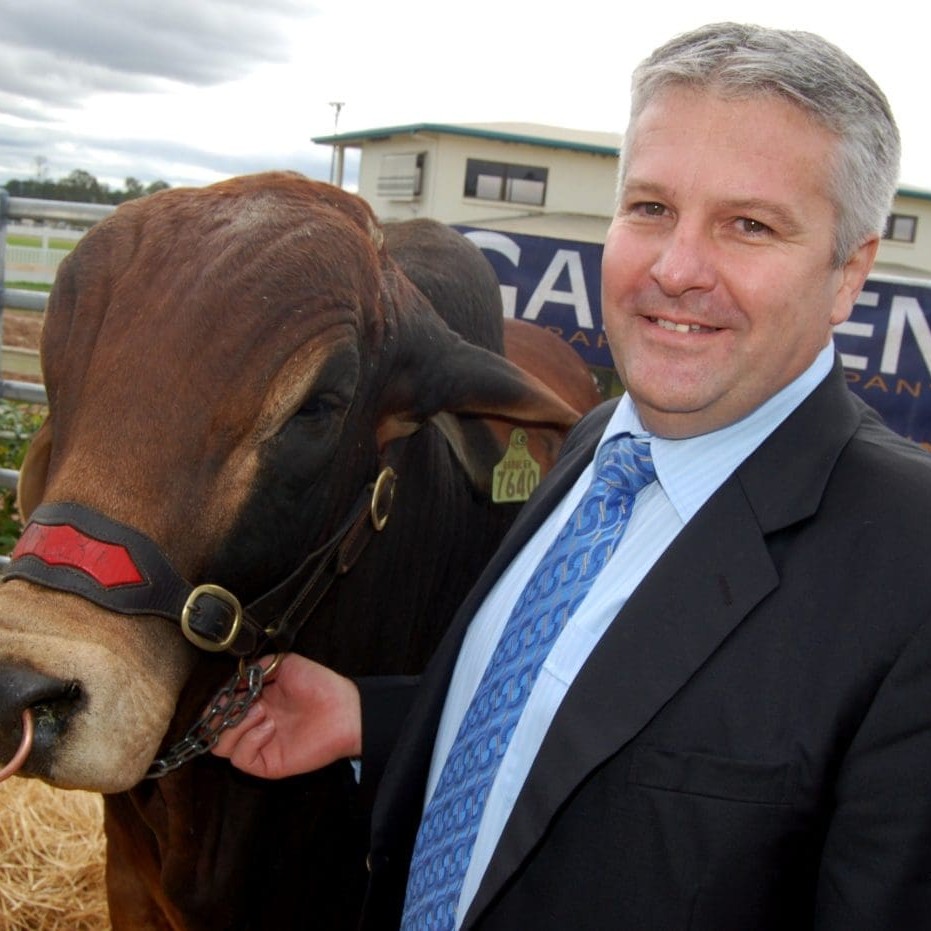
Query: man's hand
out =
(306, 718)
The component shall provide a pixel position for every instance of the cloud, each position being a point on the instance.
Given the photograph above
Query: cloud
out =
(72, 74)
(107, 45)
(33, 80)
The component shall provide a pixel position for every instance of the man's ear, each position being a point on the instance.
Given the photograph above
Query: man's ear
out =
(853, 277)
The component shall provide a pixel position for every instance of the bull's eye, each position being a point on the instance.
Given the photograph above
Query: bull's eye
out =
(321, 409)
(319, 405)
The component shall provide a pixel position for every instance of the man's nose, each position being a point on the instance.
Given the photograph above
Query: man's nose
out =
(684, 261)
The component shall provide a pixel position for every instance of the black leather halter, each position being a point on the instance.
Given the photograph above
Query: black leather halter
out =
(73, 548)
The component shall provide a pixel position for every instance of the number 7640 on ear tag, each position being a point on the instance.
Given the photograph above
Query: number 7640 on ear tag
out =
(517, 474)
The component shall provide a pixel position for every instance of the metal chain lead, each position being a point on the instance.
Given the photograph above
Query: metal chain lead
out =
(228, 708)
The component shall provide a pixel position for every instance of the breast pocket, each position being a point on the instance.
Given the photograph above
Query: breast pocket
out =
(701, 774)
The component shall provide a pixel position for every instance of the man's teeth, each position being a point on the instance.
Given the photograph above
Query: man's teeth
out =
(679, 327)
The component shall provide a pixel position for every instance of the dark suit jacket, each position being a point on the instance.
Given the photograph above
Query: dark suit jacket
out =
(749, 747)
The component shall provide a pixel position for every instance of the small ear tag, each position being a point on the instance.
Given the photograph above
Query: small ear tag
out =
(518, 473)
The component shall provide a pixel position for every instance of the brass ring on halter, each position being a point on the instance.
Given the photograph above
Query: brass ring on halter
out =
(268, 671)
(383, 497)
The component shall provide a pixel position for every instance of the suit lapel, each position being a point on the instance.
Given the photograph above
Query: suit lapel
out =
(720, 561)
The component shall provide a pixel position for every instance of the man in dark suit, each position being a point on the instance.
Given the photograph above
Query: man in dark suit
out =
(731, 728)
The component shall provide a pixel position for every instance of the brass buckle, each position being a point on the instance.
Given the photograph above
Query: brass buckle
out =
(221, 594)
(382, 497)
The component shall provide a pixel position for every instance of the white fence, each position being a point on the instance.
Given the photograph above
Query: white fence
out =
(34, 211)
(34, 264)
(37, 264)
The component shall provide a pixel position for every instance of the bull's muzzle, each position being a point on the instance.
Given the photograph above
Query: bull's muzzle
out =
(50, 704)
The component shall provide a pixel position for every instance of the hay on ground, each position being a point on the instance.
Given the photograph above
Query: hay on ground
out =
(52, 853)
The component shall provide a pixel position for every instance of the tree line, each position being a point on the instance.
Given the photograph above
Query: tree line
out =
(81, 187)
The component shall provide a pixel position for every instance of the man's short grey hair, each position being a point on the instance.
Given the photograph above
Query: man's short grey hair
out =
(740, 61)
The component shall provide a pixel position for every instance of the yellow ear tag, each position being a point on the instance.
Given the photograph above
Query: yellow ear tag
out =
(518, 473)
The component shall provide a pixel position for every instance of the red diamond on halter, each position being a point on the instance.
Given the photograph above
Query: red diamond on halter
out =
(108, 564)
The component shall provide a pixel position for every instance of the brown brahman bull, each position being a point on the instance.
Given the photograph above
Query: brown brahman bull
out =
(230, 371)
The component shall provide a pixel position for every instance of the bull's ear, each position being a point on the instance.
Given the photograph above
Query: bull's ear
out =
(440, 376)
(34, 471)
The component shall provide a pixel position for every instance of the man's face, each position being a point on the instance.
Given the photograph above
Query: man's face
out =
(717, 285)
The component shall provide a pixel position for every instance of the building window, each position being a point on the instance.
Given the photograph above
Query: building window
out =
(400, 176)
(516, 184)
(900, 228)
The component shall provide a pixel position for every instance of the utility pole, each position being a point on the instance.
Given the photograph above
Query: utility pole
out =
(336, 160)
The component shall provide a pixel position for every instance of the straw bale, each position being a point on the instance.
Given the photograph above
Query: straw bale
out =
(52, 852)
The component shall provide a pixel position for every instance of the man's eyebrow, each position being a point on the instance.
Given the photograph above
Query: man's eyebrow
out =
(633, 187)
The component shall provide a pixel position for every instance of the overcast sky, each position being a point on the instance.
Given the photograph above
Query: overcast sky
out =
(192, 91)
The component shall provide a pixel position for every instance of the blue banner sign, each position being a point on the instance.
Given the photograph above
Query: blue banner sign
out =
(886, 350)
(885, 345)
(552, 282)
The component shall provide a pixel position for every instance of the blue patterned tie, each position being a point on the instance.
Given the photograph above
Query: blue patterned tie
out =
(450, 822)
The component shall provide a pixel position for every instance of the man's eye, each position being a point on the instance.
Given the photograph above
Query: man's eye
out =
(753, 227)
(650, 209)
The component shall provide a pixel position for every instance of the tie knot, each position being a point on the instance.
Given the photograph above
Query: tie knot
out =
(625, 463)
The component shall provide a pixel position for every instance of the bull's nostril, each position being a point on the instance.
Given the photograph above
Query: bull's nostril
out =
(54, 710)
(51, 701)
(49, 704)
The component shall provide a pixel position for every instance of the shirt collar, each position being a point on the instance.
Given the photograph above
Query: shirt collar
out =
(692, 469)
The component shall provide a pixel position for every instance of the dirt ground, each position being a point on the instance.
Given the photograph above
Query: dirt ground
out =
(21, 330)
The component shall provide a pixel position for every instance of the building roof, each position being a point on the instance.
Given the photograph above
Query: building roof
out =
(552, 137)
(917, 193)
(539, 134)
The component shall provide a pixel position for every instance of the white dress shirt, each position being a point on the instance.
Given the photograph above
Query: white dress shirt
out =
(688, 472)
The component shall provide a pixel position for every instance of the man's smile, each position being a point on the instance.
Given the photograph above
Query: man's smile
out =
(681, 327)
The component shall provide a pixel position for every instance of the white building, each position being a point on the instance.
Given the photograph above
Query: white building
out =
(542, 180)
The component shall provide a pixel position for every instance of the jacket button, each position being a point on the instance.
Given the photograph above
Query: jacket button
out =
(376, 860)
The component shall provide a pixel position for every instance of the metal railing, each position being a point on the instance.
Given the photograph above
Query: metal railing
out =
(43, 211)
(30, 208)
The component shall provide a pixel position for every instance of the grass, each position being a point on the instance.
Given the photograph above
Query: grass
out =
(27, 285)
(35, 242)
